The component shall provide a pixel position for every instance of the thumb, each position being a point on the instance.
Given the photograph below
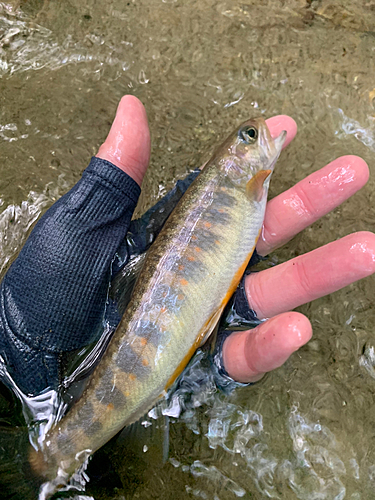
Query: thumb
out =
(128, 143)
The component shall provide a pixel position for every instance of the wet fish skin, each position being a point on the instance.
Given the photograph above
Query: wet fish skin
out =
(188, 276)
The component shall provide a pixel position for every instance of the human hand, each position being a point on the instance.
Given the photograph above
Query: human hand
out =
(271, 293)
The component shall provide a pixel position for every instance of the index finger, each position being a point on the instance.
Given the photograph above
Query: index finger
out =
(315, 196)
(278, 123)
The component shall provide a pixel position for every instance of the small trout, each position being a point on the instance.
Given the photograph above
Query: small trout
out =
(188, 276)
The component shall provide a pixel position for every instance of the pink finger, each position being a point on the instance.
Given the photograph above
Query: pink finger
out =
(128, 143)
(278, 123)
(247, 356)
(316, 195)
(312, 275)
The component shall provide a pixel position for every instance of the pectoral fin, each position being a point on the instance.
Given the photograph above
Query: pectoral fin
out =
(254, 188)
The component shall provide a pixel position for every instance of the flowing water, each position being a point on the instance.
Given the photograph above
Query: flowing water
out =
(200, 67)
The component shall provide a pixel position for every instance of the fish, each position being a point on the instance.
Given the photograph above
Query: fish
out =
(188, 276)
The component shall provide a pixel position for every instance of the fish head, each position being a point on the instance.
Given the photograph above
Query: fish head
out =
(248, 150)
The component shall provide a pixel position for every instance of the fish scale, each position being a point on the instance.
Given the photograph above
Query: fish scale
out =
(187, 278)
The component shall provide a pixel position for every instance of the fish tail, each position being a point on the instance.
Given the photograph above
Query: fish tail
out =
(20, 466)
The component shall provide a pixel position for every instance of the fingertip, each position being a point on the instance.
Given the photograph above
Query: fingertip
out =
(129, 99)
(249, 355)
(359, 166)
(128, 143)
(361, 246)
(278, 123)
(284, 333)
(298, 329)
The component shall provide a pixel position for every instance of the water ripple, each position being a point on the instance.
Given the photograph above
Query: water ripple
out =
(25, 45)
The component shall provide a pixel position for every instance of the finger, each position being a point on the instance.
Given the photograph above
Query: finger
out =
(300, 206)
(312, 275)
(278, 123)
(248, 355)
(128, 143)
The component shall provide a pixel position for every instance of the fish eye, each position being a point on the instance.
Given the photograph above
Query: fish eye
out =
(248, 135)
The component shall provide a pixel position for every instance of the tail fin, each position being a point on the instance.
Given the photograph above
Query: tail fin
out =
(17, 481)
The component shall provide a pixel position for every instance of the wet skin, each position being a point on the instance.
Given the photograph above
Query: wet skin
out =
(274, 292)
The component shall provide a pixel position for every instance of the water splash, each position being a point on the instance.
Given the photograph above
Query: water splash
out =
(349, 126)
(16, 220)
(314, 469)
(314, 472)
(367, 360)
(198, 469)
(8, 133)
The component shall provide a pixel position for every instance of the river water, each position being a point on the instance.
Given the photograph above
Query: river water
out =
(200, 67)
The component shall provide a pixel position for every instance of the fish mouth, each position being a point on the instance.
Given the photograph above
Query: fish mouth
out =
(271, 146)
(279, 141)
(278, 145)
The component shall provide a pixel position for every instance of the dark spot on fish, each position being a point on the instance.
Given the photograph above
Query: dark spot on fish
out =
(218, 216)
(106, 380)
(107, 393)
(62, 441)
(129, 361)
(84, 416)
(111, 396)
(93, 428)
(223, 200)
